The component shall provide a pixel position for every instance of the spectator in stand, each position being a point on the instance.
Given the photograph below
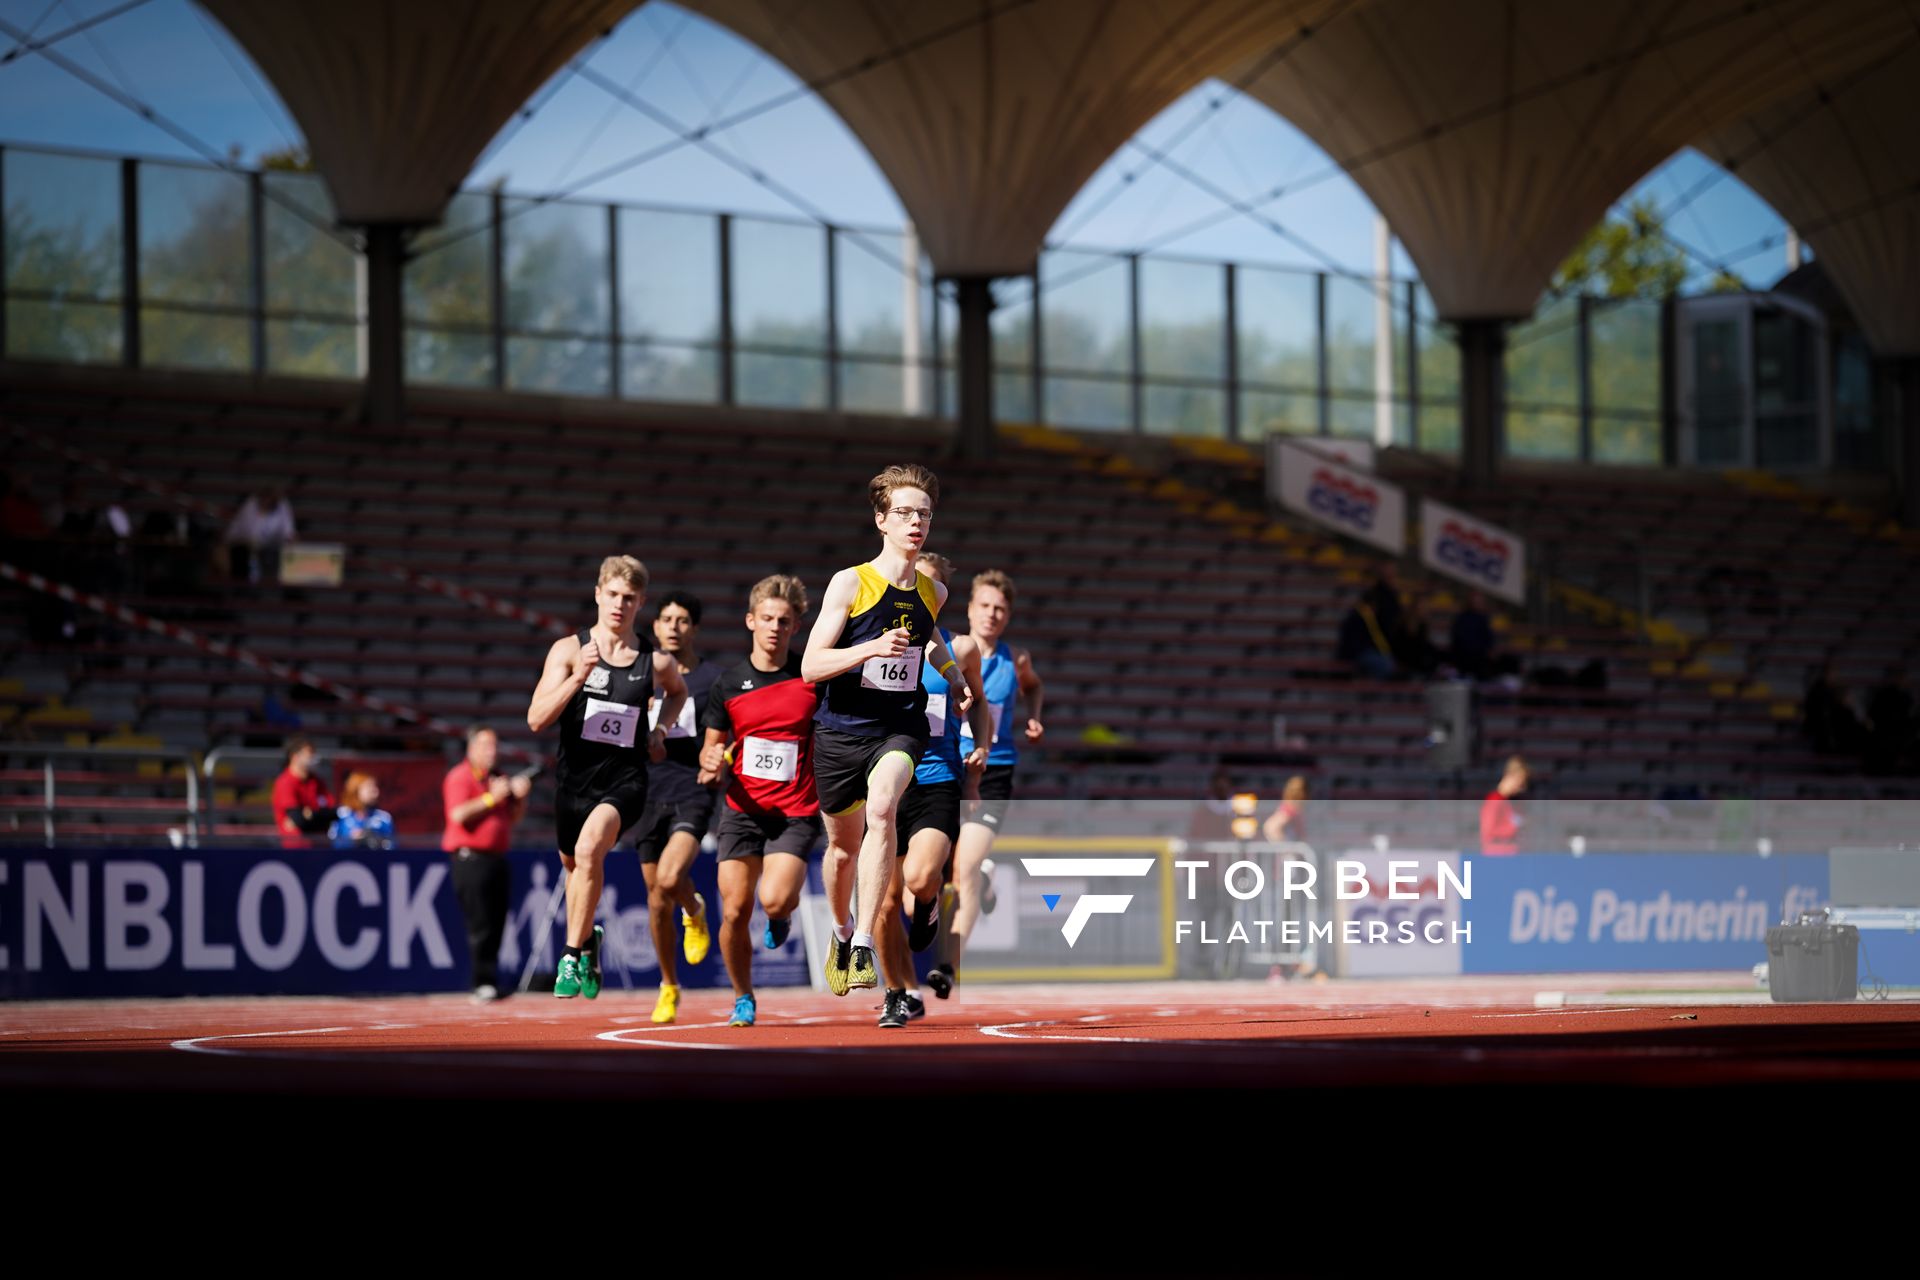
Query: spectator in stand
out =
(1413, 647)
(1470, 641)
(301, 805)
(1364, 643)
(482, 805)
(1890, 723)
(1499, 823)
(360, 822)
(23, 525)
(263, 522)
(1828, 719)
(1384, 598)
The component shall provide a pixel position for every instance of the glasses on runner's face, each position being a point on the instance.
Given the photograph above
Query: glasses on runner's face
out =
(908, 513)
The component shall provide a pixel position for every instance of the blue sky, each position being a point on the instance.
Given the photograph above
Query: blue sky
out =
(174, 57)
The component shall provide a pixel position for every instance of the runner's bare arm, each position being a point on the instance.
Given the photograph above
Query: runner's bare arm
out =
(568, 663)
(966, 651)
(713, 757)
(666, 677)
(822, 661)
(1032, 690)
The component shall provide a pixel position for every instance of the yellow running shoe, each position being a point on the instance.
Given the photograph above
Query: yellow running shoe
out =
(697, 940)
(667, 1008)
(839, 956)
(862, 973)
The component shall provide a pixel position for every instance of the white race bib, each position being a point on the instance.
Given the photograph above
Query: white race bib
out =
(681, 728)
(769, 759)
(613, 723)
(937, 714)
(895, 675)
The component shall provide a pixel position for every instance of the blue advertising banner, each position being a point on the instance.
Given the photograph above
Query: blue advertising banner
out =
(1609, 913)
(278, 922)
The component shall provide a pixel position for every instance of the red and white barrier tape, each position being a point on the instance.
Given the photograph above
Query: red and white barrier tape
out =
(419, 581)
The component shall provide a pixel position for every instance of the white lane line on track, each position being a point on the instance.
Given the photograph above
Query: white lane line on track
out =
(199, 1044)
(1011, 1031)
(1563, 1013)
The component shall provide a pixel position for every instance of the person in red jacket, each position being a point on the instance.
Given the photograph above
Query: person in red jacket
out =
(301, 805)
(1499, 824)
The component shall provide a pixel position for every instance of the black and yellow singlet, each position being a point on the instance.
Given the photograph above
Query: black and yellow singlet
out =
(882, 696)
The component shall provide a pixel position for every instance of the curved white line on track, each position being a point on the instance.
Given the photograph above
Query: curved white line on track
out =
(1011, 1031)
(199, 1044)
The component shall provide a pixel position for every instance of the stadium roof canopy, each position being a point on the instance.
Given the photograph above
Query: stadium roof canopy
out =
(1491, 133)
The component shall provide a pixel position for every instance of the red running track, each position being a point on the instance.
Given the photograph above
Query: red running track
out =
(1006, 1041)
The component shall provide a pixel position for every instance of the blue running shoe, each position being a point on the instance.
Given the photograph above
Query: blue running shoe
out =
(743, 1011)
(776, 934)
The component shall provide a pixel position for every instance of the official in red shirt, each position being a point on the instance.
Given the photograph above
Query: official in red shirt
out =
(1499, 824)
(481, 807)
(301, 805)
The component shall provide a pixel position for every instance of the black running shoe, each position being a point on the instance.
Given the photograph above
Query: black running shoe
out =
(894, 1012)
(926, 924)
(916, 1007)
(941, 980)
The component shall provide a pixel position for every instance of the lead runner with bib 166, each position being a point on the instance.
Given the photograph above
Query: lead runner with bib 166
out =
(876, 626)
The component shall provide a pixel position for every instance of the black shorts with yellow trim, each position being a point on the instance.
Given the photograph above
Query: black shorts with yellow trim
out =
(843, 761)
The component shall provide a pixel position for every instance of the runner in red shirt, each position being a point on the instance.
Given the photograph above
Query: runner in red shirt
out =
(301, 805)
(759, 719)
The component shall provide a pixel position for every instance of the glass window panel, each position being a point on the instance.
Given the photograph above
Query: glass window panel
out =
(1183, 318)
(664, 371)
(1856, 441)
(1543, 433)
(1543, 383)
(1439, 355)
(1632, 440)
(313, 349)
(1624, 338)
(1719, 391)
(195, 238)
(556, 274)
(307, 269)
(1184, 410)
(1012, 326)
(570, 366)
(780, 302)
(786, 382)
(885, 386)
(63, 233)
(449, 279)
(1352, 320)
(83, 332)
(1085, 302)
(1265, 412)
(1102, 403)
(194, 339)
(669, 277)
(1275, 313)
(449, 358)
(882, 295)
